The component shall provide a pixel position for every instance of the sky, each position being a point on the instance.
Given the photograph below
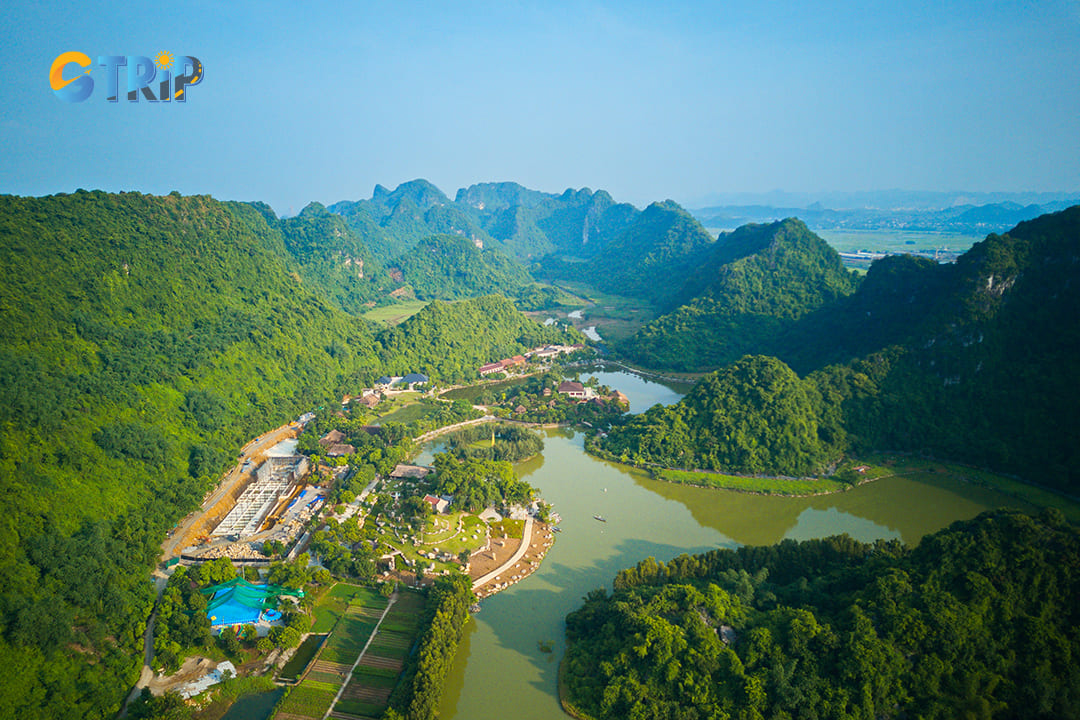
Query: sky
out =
(314, 101)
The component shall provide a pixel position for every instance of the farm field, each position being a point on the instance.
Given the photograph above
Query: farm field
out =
(367, 692)
(354, 612)
(394, 314)
(357, 611)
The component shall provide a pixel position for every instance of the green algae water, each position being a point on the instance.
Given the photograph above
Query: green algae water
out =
(503, 669)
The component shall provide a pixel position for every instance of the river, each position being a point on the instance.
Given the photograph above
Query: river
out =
(501, 671)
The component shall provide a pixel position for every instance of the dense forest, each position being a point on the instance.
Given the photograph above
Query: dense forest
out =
(755, 416)
(450, 267)
(512, 443)
(753, 285)
(979, 621)
(449, 341)
(145, 339)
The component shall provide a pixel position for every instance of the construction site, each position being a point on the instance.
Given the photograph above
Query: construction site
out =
(263, 498)
(274, 482)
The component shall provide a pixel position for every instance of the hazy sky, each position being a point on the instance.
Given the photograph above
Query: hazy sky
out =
(313, 101)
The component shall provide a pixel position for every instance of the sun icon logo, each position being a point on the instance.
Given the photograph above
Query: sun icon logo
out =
(163, 60)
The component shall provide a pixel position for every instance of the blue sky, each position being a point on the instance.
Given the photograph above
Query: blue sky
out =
(312, 101)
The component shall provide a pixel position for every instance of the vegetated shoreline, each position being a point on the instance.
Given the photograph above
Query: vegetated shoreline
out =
(564, 701)
(1013, 486)
(671, 475)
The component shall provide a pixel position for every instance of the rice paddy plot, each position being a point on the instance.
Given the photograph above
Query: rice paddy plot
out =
(306, 701)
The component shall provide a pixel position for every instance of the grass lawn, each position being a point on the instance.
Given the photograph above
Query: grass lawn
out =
(394, 314)
(508, 528)
(473, 392)
(407, 413)
(440, 536)
(765, 486)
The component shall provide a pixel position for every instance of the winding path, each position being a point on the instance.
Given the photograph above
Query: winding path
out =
(526, 541)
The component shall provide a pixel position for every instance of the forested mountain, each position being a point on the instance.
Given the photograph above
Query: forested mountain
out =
(754, 416)
(530, 224)
(331, 258)
(649, 260)
(450, 267)
(450, 340)
(752, 286)
(145, 339)
(524, 223)
(988, 357)
(980, 620)
(413, 211)
(975, 361)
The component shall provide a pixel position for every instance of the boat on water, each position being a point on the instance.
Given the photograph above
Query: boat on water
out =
(599, 517)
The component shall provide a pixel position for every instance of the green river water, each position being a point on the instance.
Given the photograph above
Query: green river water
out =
(500, 670)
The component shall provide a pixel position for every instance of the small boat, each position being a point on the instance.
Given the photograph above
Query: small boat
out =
(556, 528)
(599, 517)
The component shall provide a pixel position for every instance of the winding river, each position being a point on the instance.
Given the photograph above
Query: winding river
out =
(502, 669)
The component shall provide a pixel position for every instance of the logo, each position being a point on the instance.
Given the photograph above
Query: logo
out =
(161, 79)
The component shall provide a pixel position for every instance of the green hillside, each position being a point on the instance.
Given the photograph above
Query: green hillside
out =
(979, 621)
(450, 267)
(449, 341)
(331, 259)
(975, 361)
(754, 416)
(753, 286)
(145, 338)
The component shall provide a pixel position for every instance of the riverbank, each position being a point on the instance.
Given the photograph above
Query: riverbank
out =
(858, 473)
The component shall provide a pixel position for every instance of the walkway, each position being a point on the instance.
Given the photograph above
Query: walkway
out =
(449, 428)
(526, 541)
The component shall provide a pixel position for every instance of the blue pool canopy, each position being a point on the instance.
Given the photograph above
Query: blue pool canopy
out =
(239, 602)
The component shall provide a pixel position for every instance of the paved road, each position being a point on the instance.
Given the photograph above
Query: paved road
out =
(526, 540)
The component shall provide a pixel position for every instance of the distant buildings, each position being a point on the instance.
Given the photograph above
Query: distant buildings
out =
(411, 472)
(438, 504)
(517, 361)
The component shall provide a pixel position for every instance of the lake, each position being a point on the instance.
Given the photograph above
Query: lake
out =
(500, 670)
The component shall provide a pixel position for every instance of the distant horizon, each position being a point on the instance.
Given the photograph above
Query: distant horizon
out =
(689, 100)
(779, 199)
